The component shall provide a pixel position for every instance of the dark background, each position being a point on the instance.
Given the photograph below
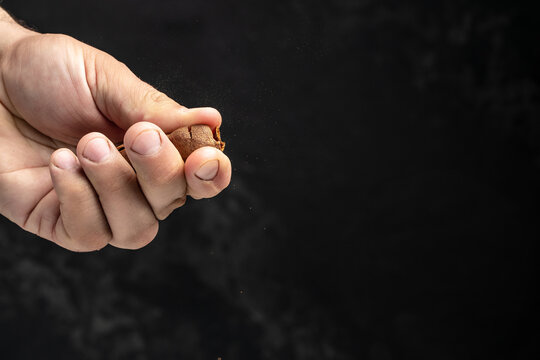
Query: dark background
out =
(384, 202)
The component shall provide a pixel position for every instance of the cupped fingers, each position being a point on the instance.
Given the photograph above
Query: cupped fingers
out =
(82, 226)
(130, 217)
(159, 167)
(208, 172)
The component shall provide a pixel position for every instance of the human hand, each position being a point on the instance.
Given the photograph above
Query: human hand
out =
(64, 106)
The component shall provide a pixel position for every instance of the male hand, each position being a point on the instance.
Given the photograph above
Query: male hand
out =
(64, 106)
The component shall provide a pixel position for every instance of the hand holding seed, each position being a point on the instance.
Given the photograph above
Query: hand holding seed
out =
(61, 175)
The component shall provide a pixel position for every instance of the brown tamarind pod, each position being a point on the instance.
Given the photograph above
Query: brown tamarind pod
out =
(190, 138)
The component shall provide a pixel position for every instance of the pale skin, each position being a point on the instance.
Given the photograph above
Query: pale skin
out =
(64, 106)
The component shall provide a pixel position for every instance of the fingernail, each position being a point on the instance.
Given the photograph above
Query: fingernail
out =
(147, 142)
(208, 170)
(97, 150)
(65, 159)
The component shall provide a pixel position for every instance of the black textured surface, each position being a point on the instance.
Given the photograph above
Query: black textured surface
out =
(384, 202)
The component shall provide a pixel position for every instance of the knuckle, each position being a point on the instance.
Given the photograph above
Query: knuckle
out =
(91, 242)
(163, 176)
(163, 213)
(160, 174)
(142, 237)
(123, 178)
(156, 96)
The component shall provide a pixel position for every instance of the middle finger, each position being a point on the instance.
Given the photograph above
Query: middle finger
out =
(131, 219)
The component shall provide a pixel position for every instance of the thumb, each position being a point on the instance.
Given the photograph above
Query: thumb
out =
(125, 99)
